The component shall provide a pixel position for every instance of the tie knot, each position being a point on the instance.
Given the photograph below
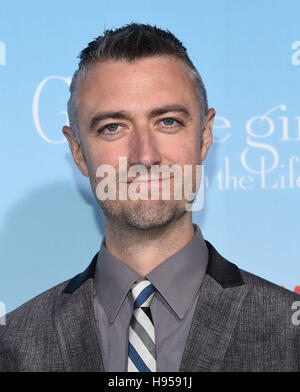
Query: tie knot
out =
(142, 292)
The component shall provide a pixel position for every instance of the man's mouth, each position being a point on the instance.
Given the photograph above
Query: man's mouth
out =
(147, 180)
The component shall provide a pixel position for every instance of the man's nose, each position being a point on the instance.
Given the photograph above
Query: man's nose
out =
(144, 149)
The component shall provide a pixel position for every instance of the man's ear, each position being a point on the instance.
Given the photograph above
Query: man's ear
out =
(76, 150)
(207, 136)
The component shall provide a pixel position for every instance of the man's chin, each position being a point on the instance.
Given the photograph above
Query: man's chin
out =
(144, 214)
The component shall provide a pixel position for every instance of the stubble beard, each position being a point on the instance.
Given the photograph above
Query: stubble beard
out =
(143, 215)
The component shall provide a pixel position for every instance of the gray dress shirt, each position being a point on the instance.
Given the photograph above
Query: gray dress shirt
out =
(177, 280)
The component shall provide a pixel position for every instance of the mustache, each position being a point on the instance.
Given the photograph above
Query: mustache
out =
(143, 174)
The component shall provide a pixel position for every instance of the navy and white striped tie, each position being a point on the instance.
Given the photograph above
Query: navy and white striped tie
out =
(141, 343)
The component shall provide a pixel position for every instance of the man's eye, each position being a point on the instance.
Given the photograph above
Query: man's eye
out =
(111, 127)
(168, 122)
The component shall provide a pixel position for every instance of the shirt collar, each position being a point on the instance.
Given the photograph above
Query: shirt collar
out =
(113, 280)
(177, 278)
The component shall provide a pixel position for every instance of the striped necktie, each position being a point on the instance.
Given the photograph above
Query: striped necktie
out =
(141, 342)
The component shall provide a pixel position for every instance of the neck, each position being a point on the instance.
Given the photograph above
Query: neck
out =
(143, 250)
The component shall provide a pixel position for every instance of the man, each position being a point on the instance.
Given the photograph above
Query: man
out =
(156, 297)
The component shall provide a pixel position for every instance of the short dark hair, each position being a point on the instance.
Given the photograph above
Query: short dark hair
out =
(132, 42)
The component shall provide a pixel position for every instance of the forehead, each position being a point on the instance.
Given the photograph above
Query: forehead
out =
(146, 82)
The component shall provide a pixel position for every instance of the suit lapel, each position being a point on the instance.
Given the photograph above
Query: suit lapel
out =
(76, 327)
(220, 300)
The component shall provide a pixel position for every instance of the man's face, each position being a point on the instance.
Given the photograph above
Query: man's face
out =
(148, 112)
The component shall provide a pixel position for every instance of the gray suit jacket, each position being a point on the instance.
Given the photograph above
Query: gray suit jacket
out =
(241, 323)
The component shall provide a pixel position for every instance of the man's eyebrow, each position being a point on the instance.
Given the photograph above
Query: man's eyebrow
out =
(104, 116)
(170, 108)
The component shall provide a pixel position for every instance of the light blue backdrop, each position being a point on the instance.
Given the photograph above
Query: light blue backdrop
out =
(248, 53)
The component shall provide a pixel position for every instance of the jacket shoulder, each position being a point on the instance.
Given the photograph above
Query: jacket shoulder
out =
(27, 326)
(263, 287)
(228, 274)
(266, 335)
(35, 307)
